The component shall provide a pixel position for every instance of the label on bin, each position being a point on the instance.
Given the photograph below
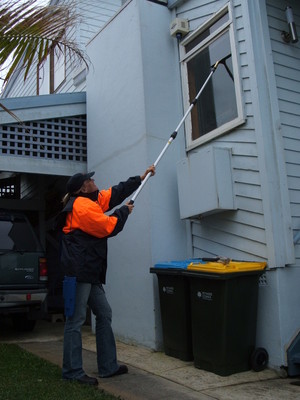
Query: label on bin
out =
(207, 296)
(168, 289)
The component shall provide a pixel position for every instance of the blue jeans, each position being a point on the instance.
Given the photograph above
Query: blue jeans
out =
(94, 296)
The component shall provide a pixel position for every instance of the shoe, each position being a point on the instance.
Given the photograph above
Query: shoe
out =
(87, 380)
(122, 370)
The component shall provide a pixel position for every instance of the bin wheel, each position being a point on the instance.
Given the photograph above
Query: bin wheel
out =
(259, 359)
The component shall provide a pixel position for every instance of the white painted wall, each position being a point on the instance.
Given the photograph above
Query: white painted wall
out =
(133, 105)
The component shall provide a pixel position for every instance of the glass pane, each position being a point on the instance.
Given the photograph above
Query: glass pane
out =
(59, 68)
(44, 78)
(217, 103)
(17, 235)
(203, 35)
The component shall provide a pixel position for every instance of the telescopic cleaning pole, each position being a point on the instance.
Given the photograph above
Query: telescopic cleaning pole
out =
(174, 134)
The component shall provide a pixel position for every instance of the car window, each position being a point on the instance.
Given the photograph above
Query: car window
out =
(16, 234)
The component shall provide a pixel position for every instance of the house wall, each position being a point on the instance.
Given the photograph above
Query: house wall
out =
(260, 229)
(286, 75)
(264, 167)
(135, 76)
(133, 108)
(247, 228)
(286, 70)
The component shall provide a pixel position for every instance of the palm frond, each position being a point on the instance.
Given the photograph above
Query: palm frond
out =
(28, 33)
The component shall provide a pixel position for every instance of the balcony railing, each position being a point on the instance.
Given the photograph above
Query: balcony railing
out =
(44, 134)
(53, 139)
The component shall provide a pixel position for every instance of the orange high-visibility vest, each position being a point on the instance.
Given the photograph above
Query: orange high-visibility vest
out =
(89, 216)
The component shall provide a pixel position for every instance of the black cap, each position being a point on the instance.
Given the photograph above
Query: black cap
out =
(76, 181)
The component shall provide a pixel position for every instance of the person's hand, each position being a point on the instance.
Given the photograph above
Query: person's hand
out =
(130, 206)
(149, 169)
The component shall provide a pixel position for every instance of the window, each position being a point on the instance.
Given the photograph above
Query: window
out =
(43, 80)
(219, 107)
(16, 234)
(58, 68)
(52, 73)
(10, 188)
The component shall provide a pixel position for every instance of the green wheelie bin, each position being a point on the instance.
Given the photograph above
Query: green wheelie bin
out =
(224, 301)
(174, 299)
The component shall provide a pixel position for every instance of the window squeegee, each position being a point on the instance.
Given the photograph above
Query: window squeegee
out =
(174, 134)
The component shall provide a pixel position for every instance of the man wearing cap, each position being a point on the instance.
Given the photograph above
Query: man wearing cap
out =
(85, 230)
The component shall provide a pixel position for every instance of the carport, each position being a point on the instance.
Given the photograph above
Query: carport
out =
(42, 142)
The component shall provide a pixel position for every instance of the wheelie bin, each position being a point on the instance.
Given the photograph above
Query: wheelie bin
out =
(223, 314)
(174, 299)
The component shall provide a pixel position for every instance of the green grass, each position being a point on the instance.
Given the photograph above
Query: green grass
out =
(24, 376)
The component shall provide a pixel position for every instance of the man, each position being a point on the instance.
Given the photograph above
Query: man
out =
(84, 255)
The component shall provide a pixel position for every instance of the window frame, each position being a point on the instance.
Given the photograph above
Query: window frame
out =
(57, 68)
(187, 56)
(49, 70)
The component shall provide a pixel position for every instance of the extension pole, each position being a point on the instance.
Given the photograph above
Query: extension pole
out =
(174, 134)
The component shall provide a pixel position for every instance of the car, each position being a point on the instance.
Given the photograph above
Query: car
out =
(23, 271)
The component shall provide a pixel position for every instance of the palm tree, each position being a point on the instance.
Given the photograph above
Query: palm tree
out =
(29, 32)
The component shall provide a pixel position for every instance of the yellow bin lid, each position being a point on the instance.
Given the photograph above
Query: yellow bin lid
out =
(228, 268)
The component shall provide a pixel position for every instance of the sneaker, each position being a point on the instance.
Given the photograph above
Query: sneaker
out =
(87, 380)
(122, 370)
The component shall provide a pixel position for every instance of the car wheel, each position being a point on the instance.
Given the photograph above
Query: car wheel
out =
(22, 323)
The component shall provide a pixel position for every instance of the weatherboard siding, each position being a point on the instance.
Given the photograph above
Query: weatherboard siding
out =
(287, 74)
(238, 234)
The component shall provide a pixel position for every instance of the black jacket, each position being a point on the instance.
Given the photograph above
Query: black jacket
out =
(84, 255)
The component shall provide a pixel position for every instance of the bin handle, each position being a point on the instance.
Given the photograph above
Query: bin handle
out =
(223, 260)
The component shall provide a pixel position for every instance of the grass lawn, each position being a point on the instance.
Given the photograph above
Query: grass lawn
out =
(24, 376)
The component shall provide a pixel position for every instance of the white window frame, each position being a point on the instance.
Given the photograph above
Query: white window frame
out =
(58, 68)
(185, 57)
(52, 74)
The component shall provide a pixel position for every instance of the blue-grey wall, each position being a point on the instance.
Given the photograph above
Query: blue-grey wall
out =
(133, 102)
(136, 78)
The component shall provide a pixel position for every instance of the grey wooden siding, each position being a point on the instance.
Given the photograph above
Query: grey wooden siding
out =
(287, 72)
(198, 14)
(93, 15)
(237, 234)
